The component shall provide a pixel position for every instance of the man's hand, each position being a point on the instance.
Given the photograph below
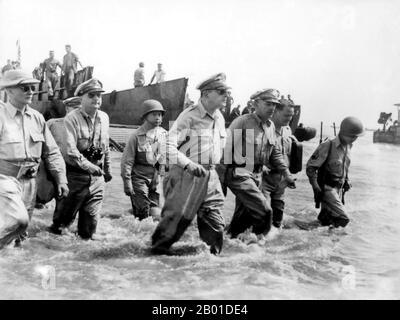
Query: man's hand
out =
(317, 194)
(62, 190)
(96, 170)
(107, 177)
(196, 169)
(291, 181)
(265, 170)
(346, 186)
(128, 190)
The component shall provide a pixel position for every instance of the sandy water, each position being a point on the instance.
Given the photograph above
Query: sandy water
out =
(361, 261)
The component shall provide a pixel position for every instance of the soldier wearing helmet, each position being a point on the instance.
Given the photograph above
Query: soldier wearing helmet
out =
(327, 171)
(141, 161)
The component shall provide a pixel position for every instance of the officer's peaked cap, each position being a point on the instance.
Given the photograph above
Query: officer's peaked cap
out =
(91, 85)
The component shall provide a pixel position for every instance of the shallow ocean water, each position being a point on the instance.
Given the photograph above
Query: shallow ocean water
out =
(361, 261)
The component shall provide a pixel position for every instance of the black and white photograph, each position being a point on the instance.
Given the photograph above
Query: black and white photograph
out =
(199, 150)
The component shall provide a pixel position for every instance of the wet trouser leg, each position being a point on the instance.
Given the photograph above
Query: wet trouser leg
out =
(210, 220)
(273, 188)
(332, 209)
(185, 196)
(14, 218)
(86, 196)
(68, 207)
(252, 207)
(145, 197)
(91, 207)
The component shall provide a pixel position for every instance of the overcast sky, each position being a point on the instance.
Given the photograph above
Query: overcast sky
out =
(335, 58)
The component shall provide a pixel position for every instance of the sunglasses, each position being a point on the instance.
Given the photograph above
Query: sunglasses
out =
(222, 92)
(91, 95)
(269, 103)
(27, 88)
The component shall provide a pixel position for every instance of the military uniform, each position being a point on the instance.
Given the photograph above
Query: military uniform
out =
(142, 155)
(86, 186)
(70, 67)
(195, 137)
(253, 149)
(334, 157)
(273, 183)
(50, 69)
(24, 140)
(46, 192)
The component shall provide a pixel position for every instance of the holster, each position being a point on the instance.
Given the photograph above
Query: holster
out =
(19, 170)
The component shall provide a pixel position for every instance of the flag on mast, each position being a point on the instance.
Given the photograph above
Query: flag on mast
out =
(18, 51)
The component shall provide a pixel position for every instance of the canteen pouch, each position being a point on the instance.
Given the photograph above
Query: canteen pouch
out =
(296, 157)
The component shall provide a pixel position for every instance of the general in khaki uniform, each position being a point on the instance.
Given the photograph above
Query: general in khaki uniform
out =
(327, 171)
(192, 186)
(143, 156)
(250, 150)
(87, 156)
(273, 183)
(24, 140)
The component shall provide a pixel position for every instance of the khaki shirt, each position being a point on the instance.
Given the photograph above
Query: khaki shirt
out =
(252, 142)
(58, 131)
(196, 136)
(338, 163)
(284, 142)
(50, 65)
(70, 61)
(79, 127)
(25, 137)
(141, 153)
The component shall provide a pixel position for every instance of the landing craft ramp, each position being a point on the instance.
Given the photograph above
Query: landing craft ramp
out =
(125, 107)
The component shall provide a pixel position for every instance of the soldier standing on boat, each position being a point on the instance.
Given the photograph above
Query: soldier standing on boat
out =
(142, 158)
(24, 140)
(192, 186)
(138, 77)
(327, 171)
(70, 67)
(159, 75)
(273, 183)
(87, 156)
(50, 70)
(249, 149)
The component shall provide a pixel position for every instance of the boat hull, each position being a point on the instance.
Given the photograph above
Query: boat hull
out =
(125, 107)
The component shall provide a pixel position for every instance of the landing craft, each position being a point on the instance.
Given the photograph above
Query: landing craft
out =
(391, 134)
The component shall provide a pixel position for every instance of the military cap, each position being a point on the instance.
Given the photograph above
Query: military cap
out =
(285, 102)
(150, 106)
(16, 77)
(214, 82)
(72, 102)
(271, 95)
(91, 85)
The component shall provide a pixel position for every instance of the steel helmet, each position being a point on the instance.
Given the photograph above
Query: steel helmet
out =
(351, 126)
(150, 106)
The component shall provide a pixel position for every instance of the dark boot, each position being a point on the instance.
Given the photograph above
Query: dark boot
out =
(277, 217)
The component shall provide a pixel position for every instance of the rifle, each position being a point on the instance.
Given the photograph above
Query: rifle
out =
(321, 176)
(320, 136)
